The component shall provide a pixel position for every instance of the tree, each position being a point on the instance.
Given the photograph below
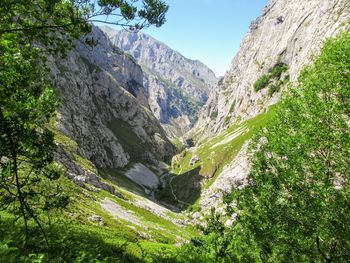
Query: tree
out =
(29, 32)
(40, 17)
(27, 101)
(297, 208)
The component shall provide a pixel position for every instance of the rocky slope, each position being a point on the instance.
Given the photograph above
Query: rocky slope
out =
(177, 87)
(104, 121)
(280, 42)
(287, 33)
(112, 108)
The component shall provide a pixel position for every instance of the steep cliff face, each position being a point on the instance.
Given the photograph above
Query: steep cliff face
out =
(281, 40)
(104, 110)
(177, 87)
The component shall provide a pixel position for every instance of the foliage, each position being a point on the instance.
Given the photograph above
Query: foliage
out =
(27, 101)
(30, 31)
(261, 83)
(214, 115)
(49, 20)
(277, 70)
(232, 107)
(297, 207)
(216, 245)
(70, 242)
(267, 80)
(273, 88)
(228, 198)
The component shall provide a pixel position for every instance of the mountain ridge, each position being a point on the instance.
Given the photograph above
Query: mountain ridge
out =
(166, 69)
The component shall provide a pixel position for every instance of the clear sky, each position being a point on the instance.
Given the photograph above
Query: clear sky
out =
(208, 30)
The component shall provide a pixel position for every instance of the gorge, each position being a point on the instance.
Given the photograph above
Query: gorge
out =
(153, 144)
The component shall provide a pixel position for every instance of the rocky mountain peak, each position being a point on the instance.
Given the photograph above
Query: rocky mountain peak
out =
(177, 86)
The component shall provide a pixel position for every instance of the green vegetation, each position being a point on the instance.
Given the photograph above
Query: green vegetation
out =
(132, 144)
(277, 71)
(233, 105)
(273, 88)
(27, 102)
(278, 85)
(30, 190)
(185, 187)
(214, 115)
(296, 208)
(300, 173)
(73, 237)
(214, 154)
(262, 82)
(272, 79)
(178, 143)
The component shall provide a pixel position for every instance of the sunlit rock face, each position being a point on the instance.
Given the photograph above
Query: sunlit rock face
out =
(177, 86)
(287, 32)
(104, 107)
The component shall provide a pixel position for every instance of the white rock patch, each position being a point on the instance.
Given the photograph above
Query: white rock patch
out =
(231, 136)
(141, 175)
(119, 212)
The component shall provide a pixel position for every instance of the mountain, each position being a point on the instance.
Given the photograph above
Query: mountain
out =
(117, 115)
(120, 109)
(177, 86)
(285, 36)
(280, 42)
(104, 121)
(131, 195)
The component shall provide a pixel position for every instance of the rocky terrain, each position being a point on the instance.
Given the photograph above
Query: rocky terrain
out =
(104, 121)
(177, 86)
(287, 33)
(120, 109)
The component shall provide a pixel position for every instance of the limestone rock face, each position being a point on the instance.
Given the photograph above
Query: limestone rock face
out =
(177, 87)
(234, 175)
(288, 32)
(101, 113)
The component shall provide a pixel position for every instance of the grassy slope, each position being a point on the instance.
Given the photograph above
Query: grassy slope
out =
(76, 238)
(80, 239)
(112, 238)
(214, 154)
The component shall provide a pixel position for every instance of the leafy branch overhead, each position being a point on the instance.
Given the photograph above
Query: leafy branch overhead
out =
(36, 19)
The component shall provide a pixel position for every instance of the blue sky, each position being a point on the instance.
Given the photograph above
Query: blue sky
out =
(208, 30)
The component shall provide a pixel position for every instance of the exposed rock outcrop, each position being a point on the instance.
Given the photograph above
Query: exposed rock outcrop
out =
(234, 175)
(177, 87)
(99, 111)
(287, 32)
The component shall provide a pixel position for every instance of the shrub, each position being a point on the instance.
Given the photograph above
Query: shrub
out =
(297, 208)
(277, 70)
(262, 82)
(213, 115)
